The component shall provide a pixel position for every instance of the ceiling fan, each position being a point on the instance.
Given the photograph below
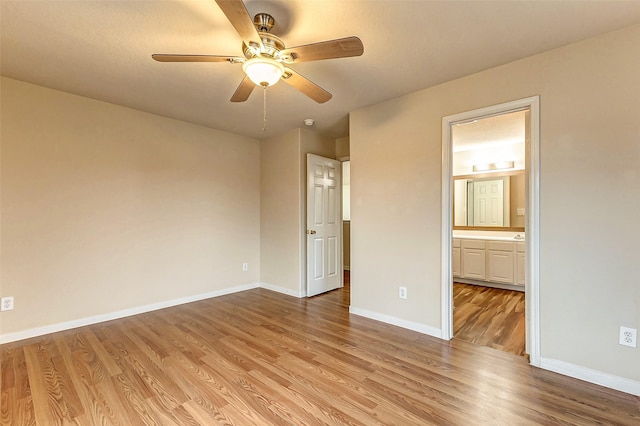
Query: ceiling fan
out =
(266, 59)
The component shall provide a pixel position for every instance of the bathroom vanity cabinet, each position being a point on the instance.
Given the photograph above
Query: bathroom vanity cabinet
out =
(489, 262)
(474, 259)
(455, 261)
(520, 264)
(501, 265)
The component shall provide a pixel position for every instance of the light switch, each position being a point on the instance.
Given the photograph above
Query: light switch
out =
(521, 211)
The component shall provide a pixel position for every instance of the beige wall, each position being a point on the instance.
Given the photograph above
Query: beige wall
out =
(342, 148)
(106, 208)
(280, 219)
(283, 207)
(590, 196)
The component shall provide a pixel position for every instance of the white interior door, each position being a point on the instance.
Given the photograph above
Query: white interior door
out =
(488, 199)
(324, 225)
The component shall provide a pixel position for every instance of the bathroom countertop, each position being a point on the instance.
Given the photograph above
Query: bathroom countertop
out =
(489, 237)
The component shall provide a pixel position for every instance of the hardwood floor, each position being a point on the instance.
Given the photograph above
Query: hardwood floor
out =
(262, 358)
(489, 317)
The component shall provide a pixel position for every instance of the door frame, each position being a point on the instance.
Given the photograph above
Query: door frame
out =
(532, 224)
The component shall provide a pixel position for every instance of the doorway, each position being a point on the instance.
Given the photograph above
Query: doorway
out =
(489, 193)
(531, 176)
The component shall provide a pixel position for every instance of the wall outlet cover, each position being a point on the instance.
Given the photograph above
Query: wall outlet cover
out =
(628, 336)
(6, 304)
(402, 292)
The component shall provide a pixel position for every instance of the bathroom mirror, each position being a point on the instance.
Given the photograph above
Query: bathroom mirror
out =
(489, 201)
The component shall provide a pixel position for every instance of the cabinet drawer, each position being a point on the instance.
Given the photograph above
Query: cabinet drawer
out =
(500, 245)
(473, 244)
(456, 242)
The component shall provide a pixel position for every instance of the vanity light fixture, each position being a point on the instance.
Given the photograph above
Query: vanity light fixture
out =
(501, 165)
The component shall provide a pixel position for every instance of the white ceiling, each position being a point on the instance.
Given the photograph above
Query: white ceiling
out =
(497, 130)
(102, 50)
(488, 140)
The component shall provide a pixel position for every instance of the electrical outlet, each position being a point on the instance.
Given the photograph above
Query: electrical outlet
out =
(245, 266)
(402, 292)
(628, 336)
(6, 304)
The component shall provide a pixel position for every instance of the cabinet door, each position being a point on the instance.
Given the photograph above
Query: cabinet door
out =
(473, 263)
(501, 266)
(455, 262)
(520, 259)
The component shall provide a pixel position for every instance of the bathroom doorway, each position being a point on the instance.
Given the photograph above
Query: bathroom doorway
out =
(484, 164)
(489, 194)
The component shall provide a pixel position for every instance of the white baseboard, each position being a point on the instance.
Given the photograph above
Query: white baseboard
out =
(592, 376)
(39, 331)
(410, 325)
(283, 290)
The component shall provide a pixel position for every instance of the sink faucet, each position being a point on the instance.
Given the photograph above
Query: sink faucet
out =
(518, 237)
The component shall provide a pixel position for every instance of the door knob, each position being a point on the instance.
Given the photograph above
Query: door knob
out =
(311, 231)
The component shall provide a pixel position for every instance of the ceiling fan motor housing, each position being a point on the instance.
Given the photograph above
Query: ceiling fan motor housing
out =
(272, 47)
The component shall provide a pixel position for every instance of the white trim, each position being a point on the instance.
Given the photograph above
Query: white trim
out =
(388, 319)
(299, 294)
(532, 267)
(532, 290)
(592, 376)
(67, 325)
(446, 272)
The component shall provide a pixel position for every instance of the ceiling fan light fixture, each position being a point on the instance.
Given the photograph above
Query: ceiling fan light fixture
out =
(263, 71)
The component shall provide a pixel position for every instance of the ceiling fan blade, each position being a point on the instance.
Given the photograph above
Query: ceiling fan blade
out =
(237, 14)
(243, 91)
(306, 86)
(161, 57)
(339, 48)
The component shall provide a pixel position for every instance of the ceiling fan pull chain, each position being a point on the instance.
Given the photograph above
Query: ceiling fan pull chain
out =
(264, 125)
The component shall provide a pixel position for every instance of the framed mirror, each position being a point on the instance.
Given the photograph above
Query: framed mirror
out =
(489, 201)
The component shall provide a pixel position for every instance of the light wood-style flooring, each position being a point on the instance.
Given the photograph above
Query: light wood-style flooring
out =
(263, 358)
(489, 317)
